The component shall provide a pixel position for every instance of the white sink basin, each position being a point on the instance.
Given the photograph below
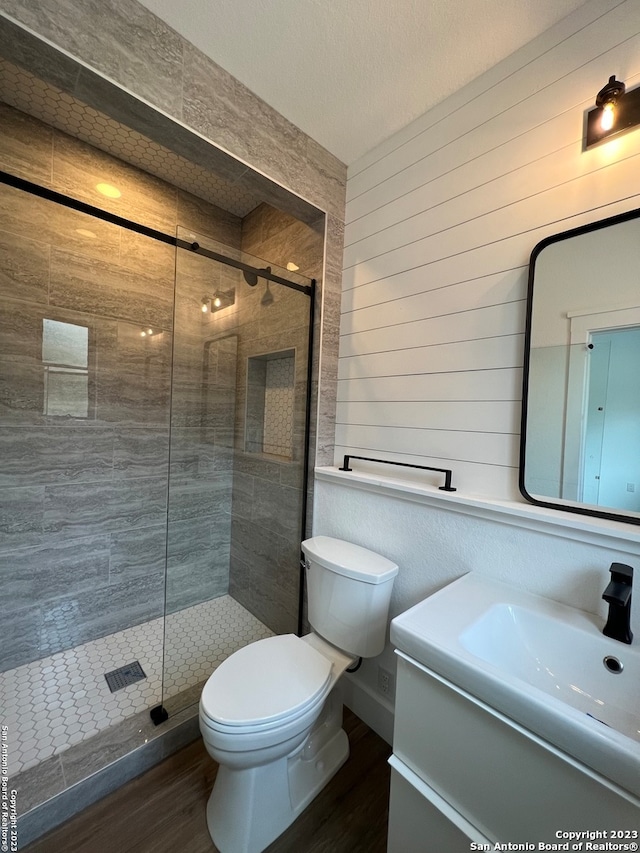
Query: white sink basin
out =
(564, 661)
(539, 663)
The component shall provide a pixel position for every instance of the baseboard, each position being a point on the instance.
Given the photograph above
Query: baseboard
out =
(373, 709)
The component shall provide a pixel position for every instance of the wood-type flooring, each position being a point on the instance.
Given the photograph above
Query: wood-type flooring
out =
(163, 811)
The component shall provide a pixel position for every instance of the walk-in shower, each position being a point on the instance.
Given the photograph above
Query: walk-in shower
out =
(154, 426)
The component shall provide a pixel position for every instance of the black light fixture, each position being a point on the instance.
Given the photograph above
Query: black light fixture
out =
(148, 332)
(220, 299)
(616, 111)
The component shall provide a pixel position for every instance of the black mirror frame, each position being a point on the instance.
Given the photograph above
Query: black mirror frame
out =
(547, 241)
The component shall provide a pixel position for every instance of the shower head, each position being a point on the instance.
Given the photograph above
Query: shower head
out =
(267, 296)
(252, 277)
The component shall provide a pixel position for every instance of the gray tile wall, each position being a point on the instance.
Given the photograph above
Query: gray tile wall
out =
(106, 41)
(128, 44)
(83, 497)
(123, 42)
(203, 406)
(267, 490)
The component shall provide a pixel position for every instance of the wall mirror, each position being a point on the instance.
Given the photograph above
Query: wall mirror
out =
(580, 439)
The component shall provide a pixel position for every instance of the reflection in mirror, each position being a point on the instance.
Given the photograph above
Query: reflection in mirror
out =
(580, 447)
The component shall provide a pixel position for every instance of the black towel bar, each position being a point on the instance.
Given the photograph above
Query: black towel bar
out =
(446, 471)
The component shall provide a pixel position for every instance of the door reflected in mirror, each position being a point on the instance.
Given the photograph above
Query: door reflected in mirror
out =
(580, 446)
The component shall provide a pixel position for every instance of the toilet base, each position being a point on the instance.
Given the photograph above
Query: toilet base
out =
(250, 808)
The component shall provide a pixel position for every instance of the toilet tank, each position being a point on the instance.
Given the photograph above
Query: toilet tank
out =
(348, 594)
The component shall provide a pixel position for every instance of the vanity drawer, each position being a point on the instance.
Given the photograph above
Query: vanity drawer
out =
(420, 820)
(504, 780)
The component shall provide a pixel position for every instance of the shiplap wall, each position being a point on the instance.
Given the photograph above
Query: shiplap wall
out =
(441, 220)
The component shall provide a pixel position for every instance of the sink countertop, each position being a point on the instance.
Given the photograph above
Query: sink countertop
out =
(459, 631)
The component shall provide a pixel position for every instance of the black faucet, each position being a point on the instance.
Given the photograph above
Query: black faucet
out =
(618, 596)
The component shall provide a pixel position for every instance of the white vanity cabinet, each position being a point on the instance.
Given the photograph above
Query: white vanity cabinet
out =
(465, 775)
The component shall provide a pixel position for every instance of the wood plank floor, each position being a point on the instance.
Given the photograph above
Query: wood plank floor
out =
(163, 811)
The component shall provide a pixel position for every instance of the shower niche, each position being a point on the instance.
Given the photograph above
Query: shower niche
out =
(269, 420)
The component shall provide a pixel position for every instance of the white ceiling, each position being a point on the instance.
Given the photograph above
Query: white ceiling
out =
(350, 73)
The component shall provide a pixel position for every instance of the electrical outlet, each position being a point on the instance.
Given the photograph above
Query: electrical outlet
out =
(386, 684)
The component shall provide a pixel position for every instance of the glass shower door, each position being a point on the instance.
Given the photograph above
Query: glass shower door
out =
(86, 311)
(237, 440)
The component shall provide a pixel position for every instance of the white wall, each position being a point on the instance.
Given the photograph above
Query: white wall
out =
(441, 220)
(435, 544)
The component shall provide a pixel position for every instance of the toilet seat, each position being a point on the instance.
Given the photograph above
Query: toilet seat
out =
(265, 685)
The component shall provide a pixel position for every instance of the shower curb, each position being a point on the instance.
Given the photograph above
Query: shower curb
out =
(161, 742)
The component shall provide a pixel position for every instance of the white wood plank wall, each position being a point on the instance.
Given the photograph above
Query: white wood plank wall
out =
(441, 220)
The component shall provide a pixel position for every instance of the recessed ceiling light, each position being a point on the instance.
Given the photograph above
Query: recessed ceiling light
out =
(109, 190)
(292, 267)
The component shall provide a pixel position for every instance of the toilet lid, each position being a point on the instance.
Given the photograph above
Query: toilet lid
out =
(265, 682)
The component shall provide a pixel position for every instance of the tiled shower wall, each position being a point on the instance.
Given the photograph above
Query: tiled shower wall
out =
(177, 79)
(202, 416)
(83, 503)
(267, 488)
(124, 45)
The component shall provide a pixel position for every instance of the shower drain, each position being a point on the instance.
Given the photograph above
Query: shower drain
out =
(124, 676)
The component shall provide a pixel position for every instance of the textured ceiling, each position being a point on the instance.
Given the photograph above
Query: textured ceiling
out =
(350, 73)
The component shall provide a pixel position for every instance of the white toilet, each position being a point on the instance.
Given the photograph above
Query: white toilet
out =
(267, 715)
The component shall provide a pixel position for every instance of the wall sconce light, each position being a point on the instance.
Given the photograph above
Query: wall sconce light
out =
(220, 299)
(616, 111)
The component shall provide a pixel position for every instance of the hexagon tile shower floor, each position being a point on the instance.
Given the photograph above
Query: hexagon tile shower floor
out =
(54, 703)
